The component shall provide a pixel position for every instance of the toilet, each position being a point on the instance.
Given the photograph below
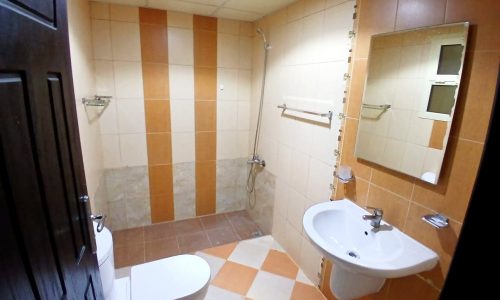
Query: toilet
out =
(184, 276)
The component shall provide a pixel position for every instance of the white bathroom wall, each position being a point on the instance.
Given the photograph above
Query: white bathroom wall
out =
(80, 39)
(309, 56)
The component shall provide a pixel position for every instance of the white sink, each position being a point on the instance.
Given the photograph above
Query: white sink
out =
(364, 256)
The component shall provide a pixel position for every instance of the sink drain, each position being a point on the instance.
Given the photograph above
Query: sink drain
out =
(352, 254)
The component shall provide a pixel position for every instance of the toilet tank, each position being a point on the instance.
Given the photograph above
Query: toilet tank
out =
(105, 258)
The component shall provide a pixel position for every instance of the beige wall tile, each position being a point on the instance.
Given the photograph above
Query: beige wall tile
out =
(182, 82)
(182, 115)
(227, 84)
(124, 13)
(180, 49)
(295, 11)
(227, 145)
(227, 50)
(104, 78)
(101, 39)
(128, 79)
(179, 19)
(228, 26)
(111, 151)
(245, 53)
(227, 115)
(133, 149)
(246, 29)
(183, 145)
(99, 10)
(126, 41)
(108, 121)
(131, 116)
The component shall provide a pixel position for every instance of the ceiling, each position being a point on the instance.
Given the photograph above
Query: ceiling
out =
(245, 10)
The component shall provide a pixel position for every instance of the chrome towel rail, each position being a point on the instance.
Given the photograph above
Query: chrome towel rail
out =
(374, 106)
(328, 115)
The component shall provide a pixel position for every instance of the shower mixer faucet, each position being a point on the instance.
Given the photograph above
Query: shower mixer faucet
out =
(255, 160)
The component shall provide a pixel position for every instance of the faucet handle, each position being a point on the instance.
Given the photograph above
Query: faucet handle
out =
(376, 211)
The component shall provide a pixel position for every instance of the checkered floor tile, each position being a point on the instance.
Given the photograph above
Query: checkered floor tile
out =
(256, 269)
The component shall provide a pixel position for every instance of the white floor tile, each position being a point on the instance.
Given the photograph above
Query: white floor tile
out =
(249, 254)
(301, 277)
(265, 241)
(215, 293)
(270, 286)
(214, 262)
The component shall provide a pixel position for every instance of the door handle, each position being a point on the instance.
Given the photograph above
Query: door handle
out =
(100, 221)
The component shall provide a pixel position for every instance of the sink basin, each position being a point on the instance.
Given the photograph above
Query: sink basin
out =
(361, 253)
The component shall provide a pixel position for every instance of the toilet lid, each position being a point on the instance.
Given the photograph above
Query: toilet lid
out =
(169, 278)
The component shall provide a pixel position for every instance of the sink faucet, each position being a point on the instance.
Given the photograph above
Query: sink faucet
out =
(376, 217)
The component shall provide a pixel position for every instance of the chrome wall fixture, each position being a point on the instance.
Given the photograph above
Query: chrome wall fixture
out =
(96, 101)
(437, 220)
(328, 115)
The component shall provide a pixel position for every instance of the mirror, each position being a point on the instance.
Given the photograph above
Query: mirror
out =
(409, 99)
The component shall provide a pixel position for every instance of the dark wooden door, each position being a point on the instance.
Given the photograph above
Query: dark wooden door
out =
(45, 251)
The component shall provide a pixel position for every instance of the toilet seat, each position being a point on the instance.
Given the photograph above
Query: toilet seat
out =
(178, 277)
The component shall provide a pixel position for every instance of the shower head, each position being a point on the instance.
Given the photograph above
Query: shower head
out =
(267, 46)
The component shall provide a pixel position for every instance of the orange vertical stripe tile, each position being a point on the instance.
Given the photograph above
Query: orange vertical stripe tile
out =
(205, 75)
(154, 53)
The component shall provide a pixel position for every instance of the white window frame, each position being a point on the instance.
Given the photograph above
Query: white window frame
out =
(434, 79)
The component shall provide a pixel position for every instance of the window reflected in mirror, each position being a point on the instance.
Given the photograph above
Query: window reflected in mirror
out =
(410, 96)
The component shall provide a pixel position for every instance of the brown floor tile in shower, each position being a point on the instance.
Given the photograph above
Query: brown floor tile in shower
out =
(138, 245)
(129, 255)
(238, 218)
(130, 236)
(215, 221)
(221, 236)
(158, 231)
(187, 226)
(161, 248)
(247, 231)
(193, 242)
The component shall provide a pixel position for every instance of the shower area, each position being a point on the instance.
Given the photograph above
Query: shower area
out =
(195, 152)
